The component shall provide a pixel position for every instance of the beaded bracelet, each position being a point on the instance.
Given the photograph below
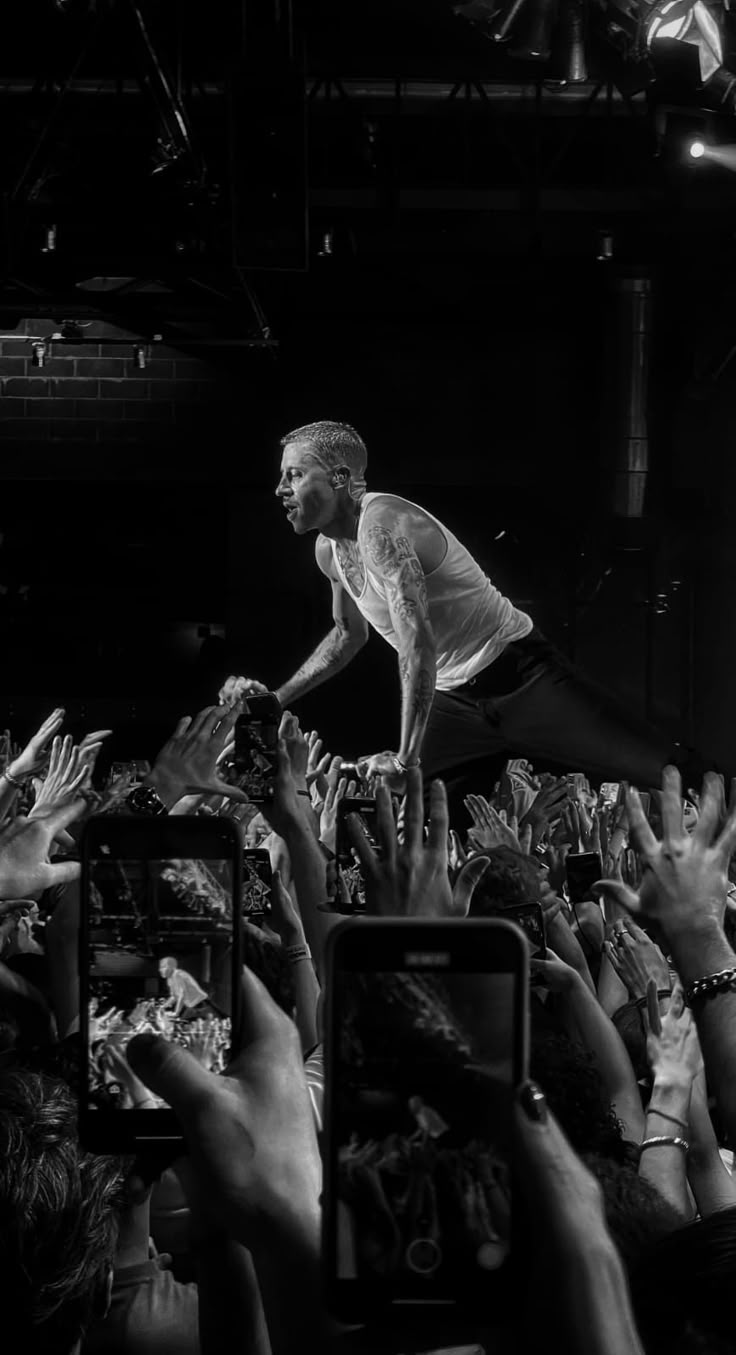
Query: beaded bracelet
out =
(13, 780)
(662, 1141)
(710, 985)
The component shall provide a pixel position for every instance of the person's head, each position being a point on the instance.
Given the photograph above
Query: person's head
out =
(510, 879)
(59, 1218)
(167, 966)
(322, 476)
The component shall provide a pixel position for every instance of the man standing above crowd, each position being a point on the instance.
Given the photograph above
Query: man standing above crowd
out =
(479, 682)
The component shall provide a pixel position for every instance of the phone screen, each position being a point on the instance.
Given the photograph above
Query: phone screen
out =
(257, 878)
(423, 1068)
(583, 869)
(347, 858)
(256, 741)
(159, 943)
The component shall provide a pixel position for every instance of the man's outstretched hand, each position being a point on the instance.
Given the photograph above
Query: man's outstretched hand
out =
(235, 688)
(685, 876)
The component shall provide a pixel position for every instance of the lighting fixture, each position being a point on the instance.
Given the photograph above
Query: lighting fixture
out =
(696, 150)
(40, 353)
(139, 357)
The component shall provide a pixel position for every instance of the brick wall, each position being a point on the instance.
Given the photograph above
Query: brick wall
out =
(92, 392)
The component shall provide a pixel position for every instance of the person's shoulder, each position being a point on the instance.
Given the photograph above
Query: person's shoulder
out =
(390, 513)
(385, 510)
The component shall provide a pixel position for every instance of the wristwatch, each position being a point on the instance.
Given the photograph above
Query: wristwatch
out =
(144, 800)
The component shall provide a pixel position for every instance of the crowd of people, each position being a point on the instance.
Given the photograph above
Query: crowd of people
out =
(623, 1133)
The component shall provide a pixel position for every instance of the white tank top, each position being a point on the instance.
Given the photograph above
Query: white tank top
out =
(472, 622)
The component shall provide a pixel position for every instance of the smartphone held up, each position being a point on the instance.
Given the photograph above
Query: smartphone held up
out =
(426, 1041)
(256, 745)
(159, 952)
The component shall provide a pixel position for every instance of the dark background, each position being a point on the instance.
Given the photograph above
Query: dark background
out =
(459, 319)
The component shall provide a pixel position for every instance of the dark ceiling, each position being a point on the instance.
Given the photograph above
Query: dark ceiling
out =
(389, 130)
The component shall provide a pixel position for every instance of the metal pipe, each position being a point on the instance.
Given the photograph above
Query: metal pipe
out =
(626, 431)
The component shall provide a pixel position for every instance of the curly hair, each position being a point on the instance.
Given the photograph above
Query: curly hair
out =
(636, 1213)
(59, 1217)
(576, 1095)
(512, 878)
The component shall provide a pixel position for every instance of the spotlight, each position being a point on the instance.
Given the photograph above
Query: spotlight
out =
(139, 357)
(696, 150)
(40, 353)
(690, 23)
(535, 40)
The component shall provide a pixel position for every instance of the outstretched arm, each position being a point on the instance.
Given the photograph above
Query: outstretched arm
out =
(394, 560)
(348, 635)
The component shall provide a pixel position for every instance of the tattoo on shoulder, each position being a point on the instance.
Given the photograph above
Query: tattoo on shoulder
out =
(387, 551)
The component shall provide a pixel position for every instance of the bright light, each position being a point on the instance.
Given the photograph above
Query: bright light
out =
(697, 150)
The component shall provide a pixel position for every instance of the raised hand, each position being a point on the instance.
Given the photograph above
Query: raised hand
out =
(68, 776)
(490, 828)
(673, 1048)
(24, 850)
(552, 904)
(383, 765)
(636, 958)
(546, 810)
(411, 878)
(317, 767)
(337, 789)
(554, 973)
(35, 755)
(190, 756)
(297, 748)
(685, 876)
(253, 1154)
(583, 829)
(235, 688)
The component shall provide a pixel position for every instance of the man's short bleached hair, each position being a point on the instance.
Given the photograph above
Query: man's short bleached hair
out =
(334, 444)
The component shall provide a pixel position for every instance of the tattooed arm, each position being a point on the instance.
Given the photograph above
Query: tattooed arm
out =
(348, 635)
(391, 556)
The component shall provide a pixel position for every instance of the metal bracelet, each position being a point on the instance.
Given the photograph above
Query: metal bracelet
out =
(710, 985)
(664, 1141)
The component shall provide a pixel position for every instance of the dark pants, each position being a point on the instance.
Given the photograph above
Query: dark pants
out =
(533, 703)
